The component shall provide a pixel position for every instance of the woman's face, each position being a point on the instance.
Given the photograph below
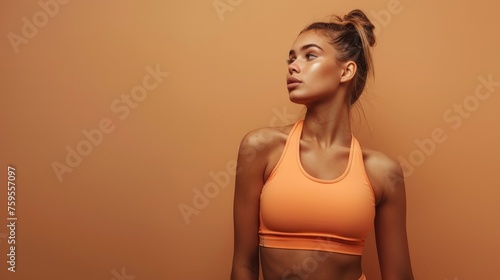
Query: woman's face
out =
(314, 73)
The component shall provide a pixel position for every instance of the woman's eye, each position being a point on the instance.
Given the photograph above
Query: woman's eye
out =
(307, 56)
(310, 55)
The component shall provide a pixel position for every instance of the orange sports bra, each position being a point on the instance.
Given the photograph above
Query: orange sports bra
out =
(298, 211)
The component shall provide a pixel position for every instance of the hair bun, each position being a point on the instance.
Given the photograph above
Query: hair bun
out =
(358, 18)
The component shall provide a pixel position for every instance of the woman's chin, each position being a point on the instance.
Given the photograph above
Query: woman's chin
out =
(297, 98)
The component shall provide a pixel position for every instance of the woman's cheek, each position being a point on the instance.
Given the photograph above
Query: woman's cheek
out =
(320, 70)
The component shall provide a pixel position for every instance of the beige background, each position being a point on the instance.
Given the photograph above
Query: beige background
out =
(116, 214)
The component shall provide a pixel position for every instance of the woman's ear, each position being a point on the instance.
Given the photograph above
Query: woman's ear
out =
(348, 71)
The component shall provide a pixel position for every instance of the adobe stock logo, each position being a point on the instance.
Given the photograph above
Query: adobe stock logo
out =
(455, 116)
(223, 6)
(122, 275)
(383, 18)
(40, 19)
(121, 106)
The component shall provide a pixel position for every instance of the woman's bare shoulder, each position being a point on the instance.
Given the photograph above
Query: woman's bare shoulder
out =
(379, 160)
(384, 172)
(261, 147)
(266, 138)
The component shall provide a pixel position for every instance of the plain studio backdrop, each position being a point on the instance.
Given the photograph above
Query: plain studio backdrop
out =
(122, 120)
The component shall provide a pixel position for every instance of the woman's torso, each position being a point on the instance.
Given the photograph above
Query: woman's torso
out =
(281, 263)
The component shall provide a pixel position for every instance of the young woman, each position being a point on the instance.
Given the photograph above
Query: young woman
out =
(307, 194)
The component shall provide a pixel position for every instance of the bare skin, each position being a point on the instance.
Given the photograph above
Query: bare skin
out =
(324, 152)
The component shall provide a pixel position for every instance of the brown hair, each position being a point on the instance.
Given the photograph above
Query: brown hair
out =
(352, 36)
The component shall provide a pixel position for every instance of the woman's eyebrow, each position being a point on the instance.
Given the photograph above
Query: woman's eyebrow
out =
(305, 47)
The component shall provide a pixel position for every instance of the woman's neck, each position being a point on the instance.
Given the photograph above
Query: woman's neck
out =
(327, 125)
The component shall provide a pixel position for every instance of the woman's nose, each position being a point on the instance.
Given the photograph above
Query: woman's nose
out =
(293, 67)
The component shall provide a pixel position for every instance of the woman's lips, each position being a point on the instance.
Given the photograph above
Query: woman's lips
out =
(292, 83)
(292, 86)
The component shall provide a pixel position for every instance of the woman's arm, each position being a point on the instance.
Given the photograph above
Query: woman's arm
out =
(248, 186)
(390, 220)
